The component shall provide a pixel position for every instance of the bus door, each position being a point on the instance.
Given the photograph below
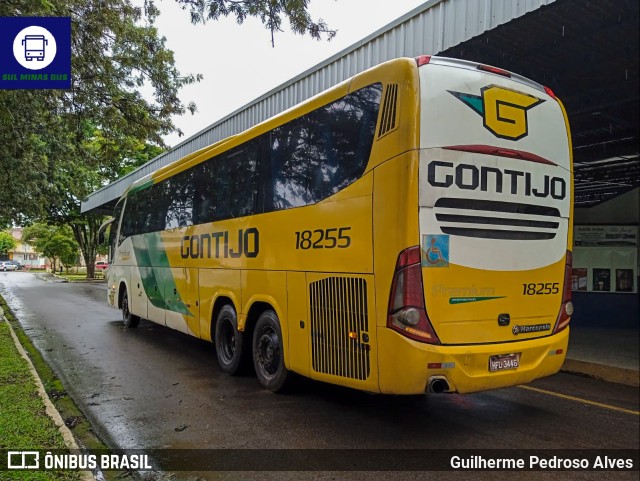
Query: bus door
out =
(154, 282)
(138, 299)
(299, 324)
(180, 294)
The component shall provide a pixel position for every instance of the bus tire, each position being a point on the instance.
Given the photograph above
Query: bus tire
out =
(130, 320)
(228, 341)
(268, 353)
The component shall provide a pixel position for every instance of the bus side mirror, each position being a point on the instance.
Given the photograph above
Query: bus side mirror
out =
(103, 228)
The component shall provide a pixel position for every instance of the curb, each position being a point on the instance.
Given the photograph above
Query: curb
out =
(50, 409)
(51, 277)
(618, 375)
(59, 278)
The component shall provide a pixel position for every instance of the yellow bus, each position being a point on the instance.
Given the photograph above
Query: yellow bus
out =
(406, 231)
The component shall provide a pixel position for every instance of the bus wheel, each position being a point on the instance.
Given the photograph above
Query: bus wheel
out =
(228, 340)
(130, 320)
(268, 354)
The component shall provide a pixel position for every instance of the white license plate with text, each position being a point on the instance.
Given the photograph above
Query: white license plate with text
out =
(504, 362)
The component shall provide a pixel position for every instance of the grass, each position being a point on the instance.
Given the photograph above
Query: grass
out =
(76, 277)
(24, 423)
(98, 275)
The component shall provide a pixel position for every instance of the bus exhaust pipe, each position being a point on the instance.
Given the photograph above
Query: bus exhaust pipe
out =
(438, 385)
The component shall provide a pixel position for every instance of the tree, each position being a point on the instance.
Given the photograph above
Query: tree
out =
(116, 51)
(54, 242)
(57, 147)
(270, 12)
(76, 180)
(7, 243)
(66, 250)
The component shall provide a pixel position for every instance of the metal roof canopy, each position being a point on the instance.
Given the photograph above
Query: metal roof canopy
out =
(586, 51)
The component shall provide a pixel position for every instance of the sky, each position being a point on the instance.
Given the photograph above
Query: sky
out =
(238, 62)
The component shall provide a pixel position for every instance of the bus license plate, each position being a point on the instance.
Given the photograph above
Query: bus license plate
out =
(504, 362)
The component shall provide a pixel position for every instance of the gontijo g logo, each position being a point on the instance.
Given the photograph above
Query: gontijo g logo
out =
(504, 111)
(35, 52)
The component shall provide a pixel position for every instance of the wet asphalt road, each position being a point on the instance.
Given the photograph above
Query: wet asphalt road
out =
(155, 388)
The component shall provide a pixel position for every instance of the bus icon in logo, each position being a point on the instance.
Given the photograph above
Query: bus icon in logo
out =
(34, 46)
(35, 43)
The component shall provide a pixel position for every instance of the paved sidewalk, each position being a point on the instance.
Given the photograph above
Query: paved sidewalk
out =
(608, 354)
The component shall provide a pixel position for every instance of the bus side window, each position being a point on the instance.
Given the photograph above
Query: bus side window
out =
(299, 163)
(113, 231)
(180, 207)
(128, 219)
(203, 192)
(345, 131)
(241, 174)
(288, 164)
(264, 181)
(320, 153)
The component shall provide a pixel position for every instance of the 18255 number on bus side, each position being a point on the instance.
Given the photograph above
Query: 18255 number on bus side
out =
(335, 237)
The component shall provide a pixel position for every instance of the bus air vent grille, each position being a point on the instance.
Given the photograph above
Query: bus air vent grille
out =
(339, 327)
(496, 220)
(389, 110)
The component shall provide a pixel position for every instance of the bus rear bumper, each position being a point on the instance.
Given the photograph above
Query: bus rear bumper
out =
(407, 367)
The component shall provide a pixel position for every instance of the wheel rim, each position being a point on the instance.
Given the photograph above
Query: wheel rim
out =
(268, 355)
(227, 340)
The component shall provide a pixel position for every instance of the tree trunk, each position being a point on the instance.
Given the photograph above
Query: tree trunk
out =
(86, 235)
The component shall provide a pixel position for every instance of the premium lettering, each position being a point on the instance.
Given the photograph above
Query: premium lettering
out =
(485, 179)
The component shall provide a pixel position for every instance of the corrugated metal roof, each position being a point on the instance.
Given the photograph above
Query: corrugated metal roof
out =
(429, 29)
(587, 52)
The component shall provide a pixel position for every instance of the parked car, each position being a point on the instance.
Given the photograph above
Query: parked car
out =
(8, 266)
(101, 265)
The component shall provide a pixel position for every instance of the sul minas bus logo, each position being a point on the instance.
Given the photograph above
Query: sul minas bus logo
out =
(503, 111)
(35, 52)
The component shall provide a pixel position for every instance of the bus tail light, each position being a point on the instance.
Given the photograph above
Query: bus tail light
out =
(550, 93)
(423, 60)
(495, 70)
(407, 313)
(566, 309)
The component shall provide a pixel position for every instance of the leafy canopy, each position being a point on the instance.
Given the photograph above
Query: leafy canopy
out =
(102, 123)
(53, 242)
(7, 243)
(57, 147)
(270, 12)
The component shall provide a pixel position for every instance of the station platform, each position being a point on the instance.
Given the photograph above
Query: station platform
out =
(608, 354)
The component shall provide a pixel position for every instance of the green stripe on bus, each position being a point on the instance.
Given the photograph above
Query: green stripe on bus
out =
(464, 300)
(142, 186)
(155, 272)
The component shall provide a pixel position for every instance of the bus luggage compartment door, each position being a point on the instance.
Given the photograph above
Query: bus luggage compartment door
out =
(342, 329)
